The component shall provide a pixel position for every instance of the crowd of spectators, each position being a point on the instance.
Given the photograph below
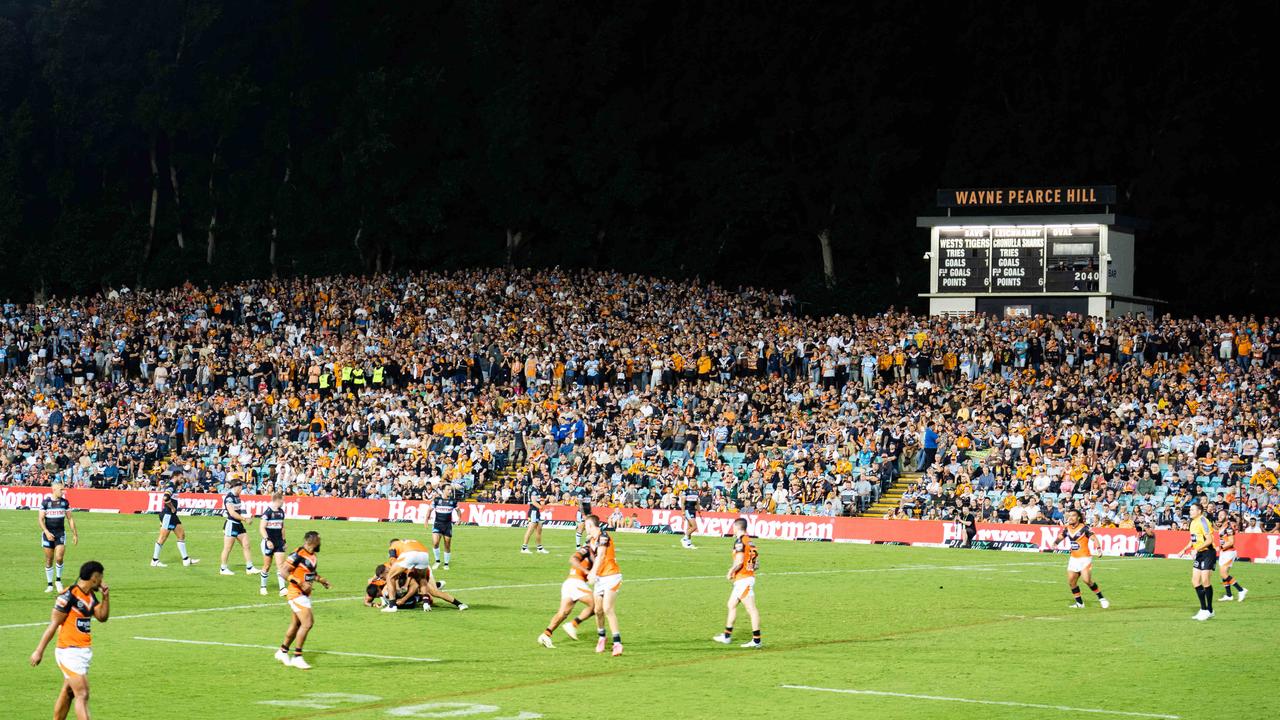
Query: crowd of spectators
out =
(628, 390)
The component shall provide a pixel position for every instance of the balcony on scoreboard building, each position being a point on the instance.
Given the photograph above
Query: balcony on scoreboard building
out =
(1008, 265)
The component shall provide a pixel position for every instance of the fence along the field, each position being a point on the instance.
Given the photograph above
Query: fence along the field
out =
(1261, 547)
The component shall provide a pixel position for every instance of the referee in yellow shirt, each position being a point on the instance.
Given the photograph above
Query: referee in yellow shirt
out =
(1206, 559)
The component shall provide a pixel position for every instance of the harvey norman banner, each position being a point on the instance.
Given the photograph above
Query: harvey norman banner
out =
(1043, 538)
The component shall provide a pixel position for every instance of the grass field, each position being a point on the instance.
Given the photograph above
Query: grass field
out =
(903, 623)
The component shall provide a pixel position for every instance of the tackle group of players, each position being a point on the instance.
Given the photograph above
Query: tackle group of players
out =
(595, 578)
(1213, 547)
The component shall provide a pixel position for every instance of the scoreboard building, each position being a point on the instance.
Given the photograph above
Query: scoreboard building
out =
(1073, 255)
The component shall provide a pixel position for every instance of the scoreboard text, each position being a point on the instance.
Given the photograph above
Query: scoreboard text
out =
(1018, 259)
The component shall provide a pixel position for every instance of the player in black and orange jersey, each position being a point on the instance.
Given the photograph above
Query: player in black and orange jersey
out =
(55, 515)
(410, 560)
(742, 573)
(373, 591)
(171, 523)
(573, 590)
(301, 567)
(1079, 539)
(271, 528)
(1227, 557)
(73, 614)
(607, 577)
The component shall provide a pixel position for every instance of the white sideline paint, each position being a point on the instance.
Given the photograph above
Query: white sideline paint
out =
(971, 701)
(480, 588)
(273, 647)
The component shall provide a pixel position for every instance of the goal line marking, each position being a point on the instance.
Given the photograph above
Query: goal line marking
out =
(482, 588)
(971, 701)
(271, 647)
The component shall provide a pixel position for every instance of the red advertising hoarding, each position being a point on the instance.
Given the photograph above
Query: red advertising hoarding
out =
(1264, 547)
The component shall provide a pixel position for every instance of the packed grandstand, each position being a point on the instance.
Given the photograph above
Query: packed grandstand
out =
(628, 390)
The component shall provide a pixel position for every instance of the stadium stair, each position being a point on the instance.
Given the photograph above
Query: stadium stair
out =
(889, 500)
(507, 473)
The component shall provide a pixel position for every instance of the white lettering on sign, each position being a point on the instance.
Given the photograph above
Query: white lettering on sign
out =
(10, 500)
(401, 510)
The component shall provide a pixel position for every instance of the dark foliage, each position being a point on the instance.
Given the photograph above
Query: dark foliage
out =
(713, 139)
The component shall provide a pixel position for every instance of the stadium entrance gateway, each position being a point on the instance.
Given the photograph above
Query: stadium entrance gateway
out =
(988, 254)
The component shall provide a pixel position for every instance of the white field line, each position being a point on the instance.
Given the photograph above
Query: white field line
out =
(1004, 703)
(273, 647)
(480, 588)
(1033, 617)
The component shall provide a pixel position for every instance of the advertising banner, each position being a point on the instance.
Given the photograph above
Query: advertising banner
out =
(1264, 547)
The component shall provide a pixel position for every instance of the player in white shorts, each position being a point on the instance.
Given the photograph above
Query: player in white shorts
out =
(574, 589)
(73, 613)
(1079, 539)
(1227, 558)
(746, 559)
(608, 579)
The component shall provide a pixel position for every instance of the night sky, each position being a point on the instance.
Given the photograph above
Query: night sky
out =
(710, 139)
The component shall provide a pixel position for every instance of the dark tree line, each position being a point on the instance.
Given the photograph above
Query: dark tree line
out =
(784, 144)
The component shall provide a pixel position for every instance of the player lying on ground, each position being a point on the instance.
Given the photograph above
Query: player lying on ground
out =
(409, 558)
(572, 591)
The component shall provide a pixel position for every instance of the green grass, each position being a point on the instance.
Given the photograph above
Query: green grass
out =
(956, 623)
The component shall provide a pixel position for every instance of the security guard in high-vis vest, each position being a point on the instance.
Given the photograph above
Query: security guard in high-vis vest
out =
(357, 380)
(326, 383)
(346, 375)
(378, 376)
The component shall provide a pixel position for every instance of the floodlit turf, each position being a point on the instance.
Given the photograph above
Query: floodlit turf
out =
(905, 622)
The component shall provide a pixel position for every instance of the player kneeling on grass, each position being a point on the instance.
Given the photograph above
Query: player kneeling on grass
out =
(1080, 566)
(572, 591)
(301, 569)
(743, 576)
(373, 591)
(73, 613)
(410, 559)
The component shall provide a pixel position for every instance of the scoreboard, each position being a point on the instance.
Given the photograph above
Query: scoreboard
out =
(1018, 259)
(1016, 252)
